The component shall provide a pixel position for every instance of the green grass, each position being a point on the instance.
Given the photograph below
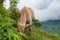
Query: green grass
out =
(37, 34)
(40, 34)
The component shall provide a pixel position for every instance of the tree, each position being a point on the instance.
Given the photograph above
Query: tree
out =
(13, 14)
(7, 30)
(36, 23)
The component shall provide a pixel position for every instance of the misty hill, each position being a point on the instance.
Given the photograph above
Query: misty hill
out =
(52, 26)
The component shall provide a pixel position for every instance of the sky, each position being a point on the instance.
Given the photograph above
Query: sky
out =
(43, 9)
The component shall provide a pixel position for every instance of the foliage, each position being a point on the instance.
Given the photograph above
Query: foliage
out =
(13, 3)
(7, 30)
(13, 14)
(40, 34)
(9, 33)
(36, 23)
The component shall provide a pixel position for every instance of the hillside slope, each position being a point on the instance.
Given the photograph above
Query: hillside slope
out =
(52, 26)
(39, 34)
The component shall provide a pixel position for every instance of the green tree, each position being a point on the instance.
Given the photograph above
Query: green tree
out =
(13, 14)
(36, 23)
(7, 30)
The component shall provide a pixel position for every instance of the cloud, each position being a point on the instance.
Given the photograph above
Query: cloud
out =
(28, 3)
(6, 4)
(42, 4)
(37, 4)
(43, 9)
(52, 12)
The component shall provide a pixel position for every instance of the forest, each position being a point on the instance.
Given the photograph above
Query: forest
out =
(8, 26)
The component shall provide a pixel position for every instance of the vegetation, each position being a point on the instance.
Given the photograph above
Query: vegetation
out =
(40, 34)
(52, 26)
(8, 30)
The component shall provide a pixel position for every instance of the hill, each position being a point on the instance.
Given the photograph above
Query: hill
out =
(37, 34)
(52, 26)
(40, 34)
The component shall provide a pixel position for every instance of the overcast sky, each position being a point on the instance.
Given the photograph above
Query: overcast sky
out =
(43, 9)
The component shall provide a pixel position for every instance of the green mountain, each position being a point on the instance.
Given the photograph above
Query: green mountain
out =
(52, 26)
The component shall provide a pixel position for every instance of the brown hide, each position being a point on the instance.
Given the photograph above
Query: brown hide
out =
(25, 19)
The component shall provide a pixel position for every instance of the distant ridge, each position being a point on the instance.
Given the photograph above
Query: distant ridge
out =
(51, 26)
(51, 21)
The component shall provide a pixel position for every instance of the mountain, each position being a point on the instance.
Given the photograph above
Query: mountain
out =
(52, 26)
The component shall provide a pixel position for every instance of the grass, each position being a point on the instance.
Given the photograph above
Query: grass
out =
(40, 34)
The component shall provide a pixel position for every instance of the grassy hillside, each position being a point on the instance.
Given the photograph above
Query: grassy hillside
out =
(40, 34)
(37, 34)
